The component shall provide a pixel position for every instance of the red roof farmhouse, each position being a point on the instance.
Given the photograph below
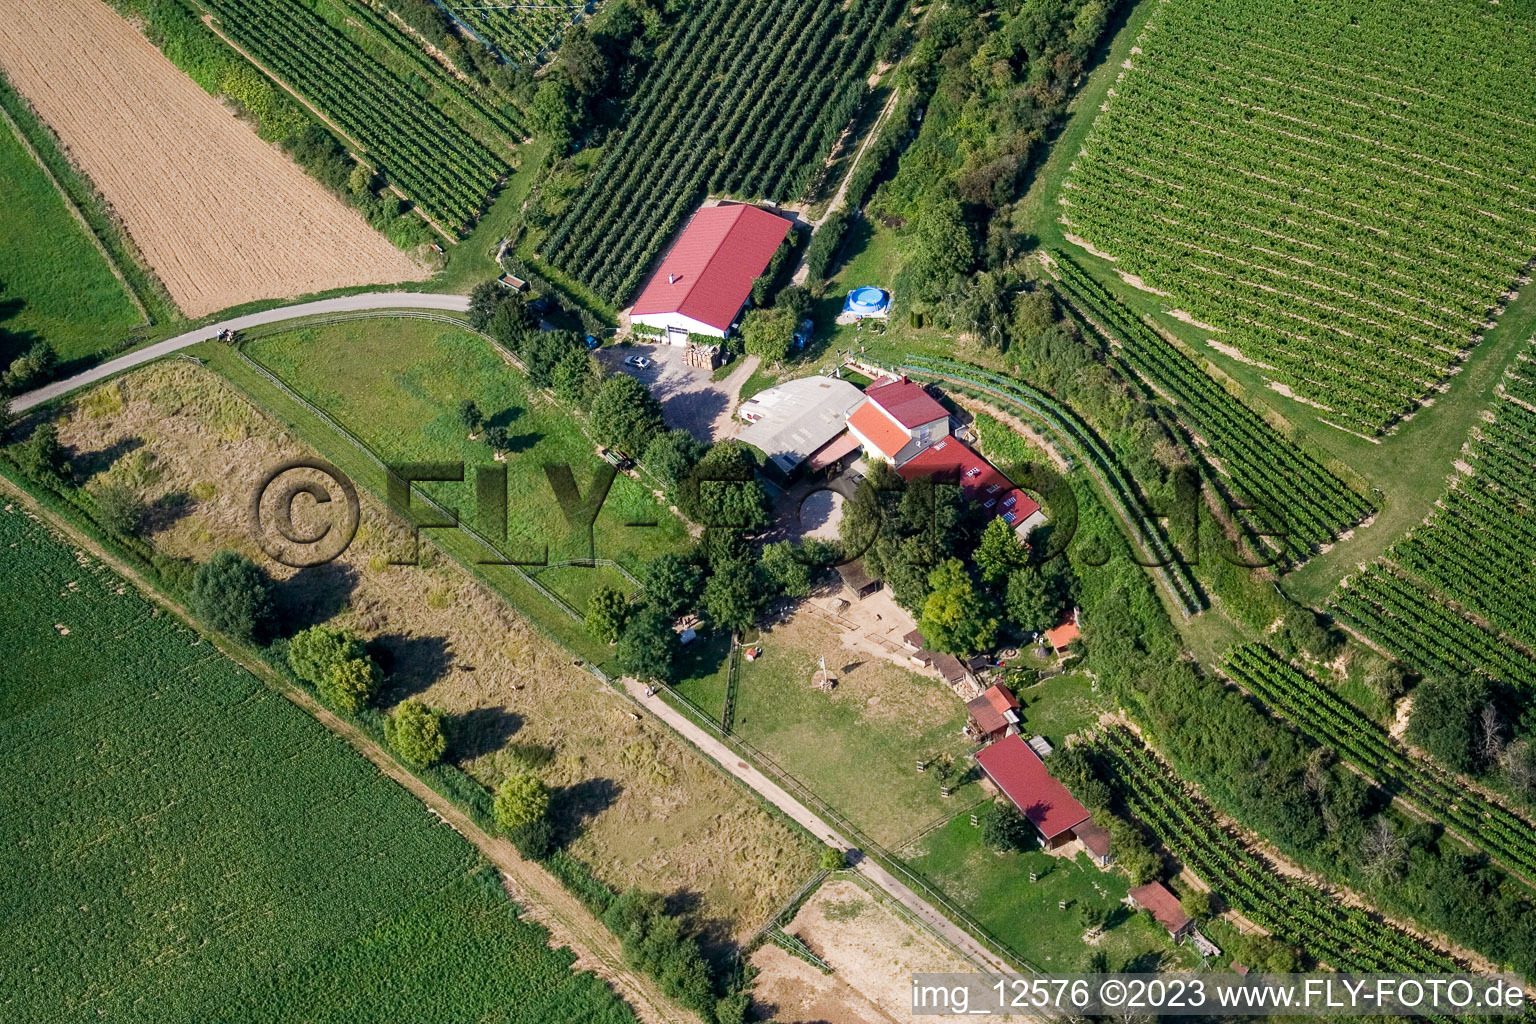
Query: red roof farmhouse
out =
(1022, 776)
(897, 420)
(706, 277)
(953, 461)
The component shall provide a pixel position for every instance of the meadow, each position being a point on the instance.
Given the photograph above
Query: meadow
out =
(196, 848)
(995, 888)
(397, 385)
(55, 282)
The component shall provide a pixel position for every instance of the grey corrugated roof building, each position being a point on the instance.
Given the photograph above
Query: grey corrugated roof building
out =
(792, 421)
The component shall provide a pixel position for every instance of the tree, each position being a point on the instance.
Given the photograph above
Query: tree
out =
(1005, 830)
(723, 491)
(733, 594)
(577, 377)
(783, 566)
(1383, 853)
(512, 323)
(1302, 631)
(543, 350)
(1196, 904)
(233, 595)
(1093, 916)
(833, 859)
(672, 456)
(470, 417)
(313, 652)
(41, 456)
(999, 552)
(415, 731)
(607, 610)
(647, 646)
(956, 619)
(521, 799)
(945, 249)
(625, 415)
(554, 111)
(768, 333)
(1033, 601)
(583, 61)
(1446, 720)
(1132, 853)
(671, 583)
(348, 686)
(484, 299)
(119, 509)
(30, 369)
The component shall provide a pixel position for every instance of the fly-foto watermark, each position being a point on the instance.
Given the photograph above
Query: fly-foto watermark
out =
(305, 512)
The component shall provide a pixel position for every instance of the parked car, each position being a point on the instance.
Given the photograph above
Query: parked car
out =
(592, 342)
(638, 362)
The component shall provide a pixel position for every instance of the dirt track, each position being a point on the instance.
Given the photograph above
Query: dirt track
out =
(221, 216)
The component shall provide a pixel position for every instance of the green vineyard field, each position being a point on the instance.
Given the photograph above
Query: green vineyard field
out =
(1256, 464)
(1335, 187)
(521, 34)
(1456, 595)
(433, 160)
(748, 100)
(195, 848)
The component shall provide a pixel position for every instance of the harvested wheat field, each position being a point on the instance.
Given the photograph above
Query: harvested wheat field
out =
(634, 803)
(221, 216)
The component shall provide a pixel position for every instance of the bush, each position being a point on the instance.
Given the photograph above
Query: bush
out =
(1196, 904)
(521, 800)
(41, 457)
(233, 595)
(653, 941)
(119, 509)
(1004, 829)
(535, 840)
(415, 731)
(607, 611)
(350, 685)
(313, 652)
(833, 859)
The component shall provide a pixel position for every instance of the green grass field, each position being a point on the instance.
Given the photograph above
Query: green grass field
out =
(995, 889)
(196, 848)
(856, 747)
(55, 284)
(397, 384)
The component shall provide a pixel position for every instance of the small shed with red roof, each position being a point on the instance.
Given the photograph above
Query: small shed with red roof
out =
(706, 277)
(1022, 777)
(994, 712)
(1164, 905)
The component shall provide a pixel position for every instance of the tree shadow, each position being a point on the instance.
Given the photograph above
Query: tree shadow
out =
(312, 596)
(481, 731)
(410, 663)
(571, 807)
(504, 418)
(522, 442)
(1146, 963)
(86, 465)
(167, 510)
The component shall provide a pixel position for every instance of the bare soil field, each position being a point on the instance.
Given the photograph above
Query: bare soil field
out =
(221, 216)
(873, 954)
(644, 809)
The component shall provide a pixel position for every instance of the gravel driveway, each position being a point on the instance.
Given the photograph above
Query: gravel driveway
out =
(689, 398)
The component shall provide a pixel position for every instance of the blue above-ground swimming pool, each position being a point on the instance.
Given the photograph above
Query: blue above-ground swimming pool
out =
(867, 301)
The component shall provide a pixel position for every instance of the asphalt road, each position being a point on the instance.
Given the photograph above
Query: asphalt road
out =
(341, 304)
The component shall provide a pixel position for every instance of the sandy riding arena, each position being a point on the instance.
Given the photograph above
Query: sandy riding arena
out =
(220, 215)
